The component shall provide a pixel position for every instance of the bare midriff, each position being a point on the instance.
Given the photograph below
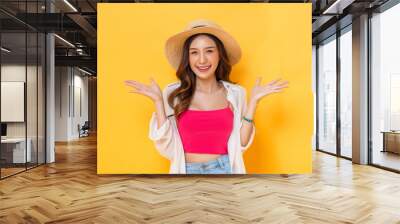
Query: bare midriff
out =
(200, 157)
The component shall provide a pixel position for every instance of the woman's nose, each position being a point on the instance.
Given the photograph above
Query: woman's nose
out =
(203, 58)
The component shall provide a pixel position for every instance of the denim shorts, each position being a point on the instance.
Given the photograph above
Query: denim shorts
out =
(218, 166)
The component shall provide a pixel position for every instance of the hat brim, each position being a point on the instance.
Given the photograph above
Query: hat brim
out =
(174, 45)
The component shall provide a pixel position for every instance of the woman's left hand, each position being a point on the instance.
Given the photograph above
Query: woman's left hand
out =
(259, 91)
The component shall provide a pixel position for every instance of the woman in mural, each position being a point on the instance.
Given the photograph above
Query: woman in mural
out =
(203, 123)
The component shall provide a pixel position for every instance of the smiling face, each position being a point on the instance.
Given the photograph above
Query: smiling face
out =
(203, 57)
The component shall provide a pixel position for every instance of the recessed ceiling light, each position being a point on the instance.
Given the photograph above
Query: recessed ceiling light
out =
(5, 50)
(338, 6)
(71, 6)
(84, 71)
(64, 40)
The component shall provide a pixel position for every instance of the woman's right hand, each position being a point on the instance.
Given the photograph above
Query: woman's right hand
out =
(152, 91)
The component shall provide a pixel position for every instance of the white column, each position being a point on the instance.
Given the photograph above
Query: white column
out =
(50, 100)
(50, 92)
(360, 89)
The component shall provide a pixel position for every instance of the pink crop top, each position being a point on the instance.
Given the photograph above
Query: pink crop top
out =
(206, 131)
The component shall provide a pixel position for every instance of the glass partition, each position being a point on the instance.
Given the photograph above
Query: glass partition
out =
(22, 88)
(31, 100)
(13, 103)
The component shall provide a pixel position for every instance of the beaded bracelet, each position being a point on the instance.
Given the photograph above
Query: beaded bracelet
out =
(248, 120)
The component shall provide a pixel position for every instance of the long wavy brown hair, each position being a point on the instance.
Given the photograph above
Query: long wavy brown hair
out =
(184, 93)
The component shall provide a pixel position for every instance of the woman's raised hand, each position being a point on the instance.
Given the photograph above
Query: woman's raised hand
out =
(259, 91)
(152, 91)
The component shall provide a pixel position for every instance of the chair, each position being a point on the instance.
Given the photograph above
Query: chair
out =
(84, 130)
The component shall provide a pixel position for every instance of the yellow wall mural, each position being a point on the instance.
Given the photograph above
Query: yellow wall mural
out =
(276, 43)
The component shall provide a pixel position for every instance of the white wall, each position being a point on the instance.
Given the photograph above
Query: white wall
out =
(71, 93)
(314, 85)
(62, 81)
(16, 73)
(80, 83)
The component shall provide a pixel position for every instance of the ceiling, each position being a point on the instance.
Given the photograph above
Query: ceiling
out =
(76, 22)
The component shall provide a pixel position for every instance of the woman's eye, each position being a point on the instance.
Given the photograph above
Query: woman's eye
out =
(193, 52)
(210, 51)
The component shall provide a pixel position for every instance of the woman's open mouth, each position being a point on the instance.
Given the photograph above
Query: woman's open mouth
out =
(203, 68)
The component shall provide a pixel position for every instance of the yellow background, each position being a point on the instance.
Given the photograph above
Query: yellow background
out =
(275, 41)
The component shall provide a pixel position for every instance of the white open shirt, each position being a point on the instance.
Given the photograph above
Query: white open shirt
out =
(168, 142)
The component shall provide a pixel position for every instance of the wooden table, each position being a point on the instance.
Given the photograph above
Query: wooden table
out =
(391, 141)
(15, 147)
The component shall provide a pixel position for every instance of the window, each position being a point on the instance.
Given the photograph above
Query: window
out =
(327, 95)
(385, 88)
(346, 93)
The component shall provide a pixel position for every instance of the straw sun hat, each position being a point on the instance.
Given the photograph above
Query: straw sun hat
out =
(174, 45)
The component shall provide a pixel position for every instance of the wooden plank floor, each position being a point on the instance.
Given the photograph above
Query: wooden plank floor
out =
(69, 191)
